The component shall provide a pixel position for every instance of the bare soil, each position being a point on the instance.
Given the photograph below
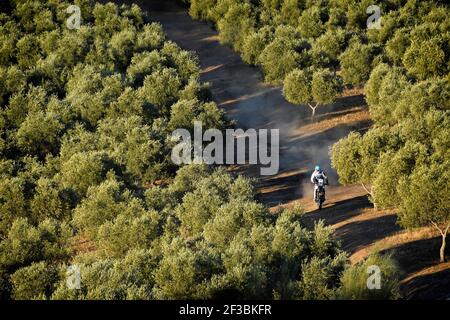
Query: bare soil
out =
(238, 88)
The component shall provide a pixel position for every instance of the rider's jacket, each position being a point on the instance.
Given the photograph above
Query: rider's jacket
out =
(318, 174)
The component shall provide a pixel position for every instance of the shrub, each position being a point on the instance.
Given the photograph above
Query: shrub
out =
(354, 281)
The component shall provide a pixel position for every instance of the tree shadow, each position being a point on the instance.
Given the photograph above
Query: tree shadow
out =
(350, 101)
(338, 211)
(418, 255)
(359, 234)
(432, 286)
(343, 106)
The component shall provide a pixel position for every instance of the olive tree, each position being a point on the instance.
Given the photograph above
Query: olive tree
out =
(384, 91)
(397, 45)
(426, 59)
(357, 156)
(354, 280)
(236, 24)
(129, 277)
(161, 87)
(399, 163)
(254, 43)
(425, 198)
(26, 243)
(36, 281)
(39, 133)
(316, 89)
(286, 52)
(327, 48)
(290, 12)
(199, 9)
(356, 62)
(310, 24)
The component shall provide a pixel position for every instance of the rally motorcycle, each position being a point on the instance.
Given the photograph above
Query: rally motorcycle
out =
(320, 193)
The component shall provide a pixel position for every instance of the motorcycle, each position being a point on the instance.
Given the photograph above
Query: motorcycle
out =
(320, 193)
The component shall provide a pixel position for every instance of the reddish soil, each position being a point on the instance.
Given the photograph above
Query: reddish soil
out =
(239, 89)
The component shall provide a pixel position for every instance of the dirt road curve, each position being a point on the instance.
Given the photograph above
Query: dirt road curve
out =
(238, 89)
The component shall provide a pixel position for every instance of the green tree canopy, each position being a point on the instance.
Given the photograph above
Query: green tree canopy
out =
(318, 88)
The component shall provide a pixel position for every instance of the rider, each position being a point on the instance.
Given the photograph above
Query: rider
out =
(318, 174)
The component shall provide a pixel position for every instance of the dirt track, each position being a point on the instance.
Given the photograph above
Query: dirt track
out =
(238, 88)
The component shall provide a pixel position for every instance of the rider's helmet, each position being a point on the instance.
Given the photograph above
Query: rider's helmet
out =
(317, 168)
